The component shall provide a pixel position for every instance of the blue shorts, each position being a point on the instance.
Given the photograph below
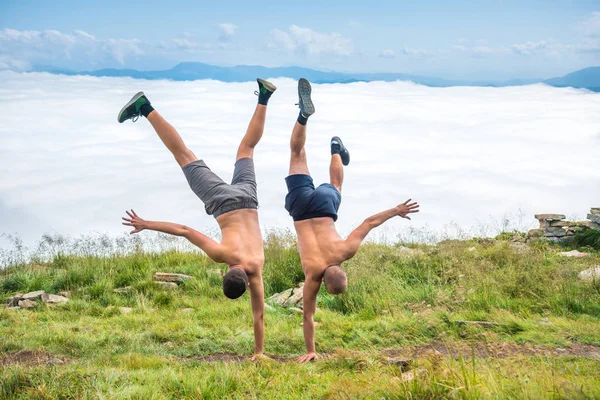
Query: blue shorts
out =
(303, 201)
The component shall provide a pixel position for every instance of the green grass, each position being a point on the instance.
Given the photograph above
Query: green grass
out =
(394, 301)
(588, 237)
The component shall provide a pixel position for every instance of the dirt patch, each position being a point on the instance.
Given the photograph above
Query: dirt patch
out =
(228, 358)
(494, 350)
(30, 357)
(453, 350)
(220, 358)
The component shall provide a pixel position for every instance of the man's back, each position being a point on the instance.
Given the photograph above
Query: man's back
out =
(320, 245)
(242, 239)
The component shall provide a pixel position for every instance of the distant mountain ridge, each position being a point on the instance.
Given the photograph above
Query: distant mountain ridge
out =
(588, 78)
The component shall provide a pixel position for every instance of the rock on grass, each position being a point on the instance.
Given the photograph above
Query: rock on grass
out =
(591, 274)
(170, 277)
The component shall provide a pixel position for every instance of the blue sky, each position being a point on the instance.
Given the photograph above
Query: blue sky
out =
(450, 39)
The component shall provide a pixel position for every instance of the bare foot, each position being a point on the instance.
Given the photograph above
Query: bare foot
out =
(307, 358)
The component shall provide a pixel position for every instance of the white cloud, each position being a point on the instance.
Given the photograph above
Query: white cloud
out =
(555, 49)
(228, 31)
(7, 62)
(26, 47)
(589, 43)
(387, 53)
(474, 145)
(481, 48)
(122, 48)
(19, 50)
(588, 46)
(477, 49)
(305, 41)
(529, 48)
(414, 52)
(406, 51)
(590, 26)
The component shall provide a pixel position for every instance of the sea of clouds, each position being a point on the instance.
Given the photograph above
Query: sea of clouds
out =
(470, 156)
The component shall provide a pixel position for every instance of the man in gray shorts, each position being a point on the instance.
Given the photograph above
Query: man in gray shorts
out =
(233, 205)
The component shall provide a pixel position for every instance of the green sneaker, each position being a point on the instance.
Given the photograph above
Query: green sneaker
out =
(131, 110)
(265, 90)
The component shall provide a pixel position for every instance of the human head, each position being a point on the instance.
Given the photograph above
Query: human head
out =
(235, 282)
(335, 280)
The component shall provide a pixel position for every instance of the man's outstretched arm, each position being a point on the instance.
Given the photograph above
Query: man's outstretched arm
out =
(209, 246)
(353, 241)
(310, 292)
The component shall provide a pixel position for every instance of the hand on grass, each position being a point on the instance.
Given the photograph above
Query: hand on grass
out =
(407, 208)
(307, 358)
(135, 221)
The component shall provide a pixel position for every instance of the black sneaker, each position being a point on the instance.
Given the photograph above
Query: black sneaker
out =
(264, 92)
(306, 105)
(264, 87)
(336, 143)
(131, 110)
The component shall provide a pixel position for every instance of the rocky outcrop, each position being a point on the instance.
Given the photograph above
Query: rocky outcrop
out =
(14, 301)
(594, 216)
(32, 295)
(556, 228)
(27, 300)
(53, 299)
(290, 298)
(27, 304)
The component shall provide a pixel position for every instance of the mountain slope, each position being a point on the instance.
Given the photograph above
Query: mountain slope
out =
(588, 78)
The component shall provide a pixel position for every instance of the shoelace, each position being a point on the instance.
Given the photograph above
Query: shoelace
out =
(256, 93)
(135, 118)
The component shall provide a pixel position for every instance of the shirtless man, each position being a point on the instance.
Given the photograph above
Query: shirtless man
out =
(314, 211)
(233, 205)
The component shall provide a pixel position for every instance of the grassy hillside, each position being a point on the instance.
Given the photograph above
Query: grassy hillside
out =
(543, 340)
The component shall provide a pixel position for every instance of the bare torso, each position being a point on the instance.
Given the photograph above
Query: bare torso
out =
(319, 244)
(242, 240)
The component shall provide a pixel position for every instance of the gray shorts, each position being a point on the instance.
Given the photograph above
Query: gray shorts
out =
(218, 196)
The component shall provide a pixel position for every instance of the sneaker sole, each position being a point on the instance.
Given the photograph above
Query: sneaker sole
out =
(267, 84)
(133, 100)
(304, 90)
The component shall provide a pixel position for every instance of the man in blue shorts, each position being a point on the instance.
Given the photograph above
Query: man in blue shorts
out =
(314, 211)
